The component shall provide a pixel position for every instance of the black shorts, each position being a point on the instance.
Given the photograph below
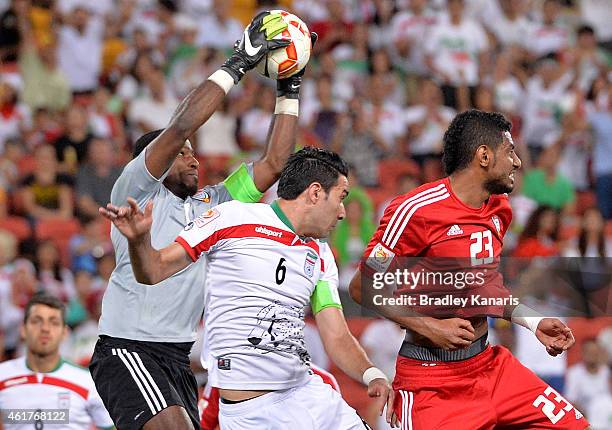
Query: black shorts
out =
(136, 380)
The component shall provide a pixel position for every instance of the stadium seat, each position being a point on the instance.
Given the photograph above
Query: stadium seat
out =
(16, 225)
(60, 231)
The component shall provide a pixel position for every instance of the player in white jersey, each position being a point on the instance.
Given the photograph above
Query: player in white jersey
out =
(266, 263)
(159, 391)
(62, 392)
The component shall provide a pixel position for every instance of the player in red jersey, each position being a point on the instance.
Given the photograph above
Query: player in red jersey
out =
(447, 376)
(209, 400)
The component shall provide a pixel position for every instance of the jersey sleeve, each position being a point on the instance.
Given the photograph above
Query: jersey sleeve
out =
(136, 181)
(202, 234)
(98, 413)
(402, 232)
(325, 294)
(239, 185)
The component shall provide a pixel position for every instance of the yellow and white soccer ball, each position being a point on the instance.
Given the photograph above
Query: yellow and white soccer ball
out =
(284, 62)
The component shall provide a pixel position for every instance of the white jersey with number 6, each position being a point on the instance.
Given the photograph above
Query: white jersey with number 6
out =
(261, 276)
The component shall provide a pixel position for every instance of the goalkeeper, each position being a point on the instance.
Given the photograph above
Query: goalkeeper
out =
(140, 364)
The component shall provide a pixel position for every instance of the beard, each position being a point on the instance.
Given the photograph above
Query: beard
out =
(499, 185)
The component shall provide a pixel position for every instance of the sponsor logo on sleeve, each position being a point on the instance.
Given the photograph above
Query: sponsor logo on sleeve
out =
(202, 196)
(380, 258)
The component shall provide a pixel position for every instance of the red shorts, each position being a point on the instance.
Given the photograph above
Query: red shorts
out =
(492, 390)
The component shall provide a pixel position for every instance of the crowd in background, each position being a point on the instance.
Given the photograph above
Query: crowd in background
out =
(81, 80)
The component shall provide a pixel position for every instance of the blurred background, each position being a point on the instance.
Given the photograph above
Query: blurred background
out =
(81, 80)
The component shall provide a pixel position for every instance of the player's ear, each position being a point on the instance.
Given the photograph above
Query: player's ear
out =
(483, 155)
(314, 191)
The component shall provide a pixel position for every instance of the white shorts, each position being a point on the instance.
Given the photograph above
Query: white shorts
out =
(312, 406)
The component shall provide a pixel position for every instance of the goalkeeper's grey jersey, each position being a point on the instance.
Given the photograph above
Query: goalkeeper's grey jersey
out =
(171, 310)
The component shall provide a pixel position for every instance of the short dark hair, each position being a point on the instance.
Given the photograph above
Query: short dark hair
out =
(47, 300)
(585, 29)
(310, 165)
(467, 132)
(142, 142)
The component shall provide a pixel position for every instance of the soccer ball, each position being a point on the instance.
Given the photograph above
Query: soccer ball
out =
(284, 62)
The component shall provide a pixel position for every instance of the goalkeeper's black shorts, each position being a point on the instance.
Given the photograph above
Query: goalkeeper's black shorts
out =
(136, 380)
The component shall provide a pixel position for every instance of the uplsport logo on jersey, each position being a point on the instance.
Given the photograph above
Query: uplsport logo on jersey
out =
(309, 264)
(263, 230)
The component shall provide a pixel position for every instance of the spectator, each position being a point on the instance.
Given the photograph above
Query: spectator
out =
(574, 141)
(427, 123)
(152, 111)
(88, 246)
(358, 142)
(600, 409)
(545, 185)
(255, 123)
(588, 380)
(334, 29)
(15, 117)
(73, 145)
(506, 21)
(456, 53)
(10, 314)
(45, 85)
(95, 179)
(409, 28)
(217, 137)
(590, 60)
(10, 36)
(103, 119)
(549, 35)
(323, 114)
(507, 88)
(384, 114)
(601, 123)
(591, 241)
(54, 278)
(80, 49)
(218, 29)
(9, 161)
(76, 311)
(539, 238)
(46, 129)
(46, 193)
(353, 233)
(544, 95)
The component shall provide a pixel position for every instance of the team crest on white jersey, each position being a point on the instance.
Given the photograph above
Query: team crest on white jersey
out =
(309, 264)
(496, 223)
(63, 400)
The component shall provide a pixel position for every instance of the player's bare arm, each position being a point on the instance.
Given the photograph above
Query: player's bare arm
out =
(450, 334)
(199, 105)
(150, 266)
(551, 332)
(283, 130)
(348, 355)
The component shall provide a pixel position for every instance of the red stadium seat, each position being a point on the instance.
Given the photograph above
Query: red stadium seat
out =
(60, 231)
(16, 225)
(26, 165)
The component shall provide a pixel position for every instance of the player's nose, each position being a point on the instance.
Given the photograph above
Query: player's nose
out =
(342, 212)
(193, 162)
